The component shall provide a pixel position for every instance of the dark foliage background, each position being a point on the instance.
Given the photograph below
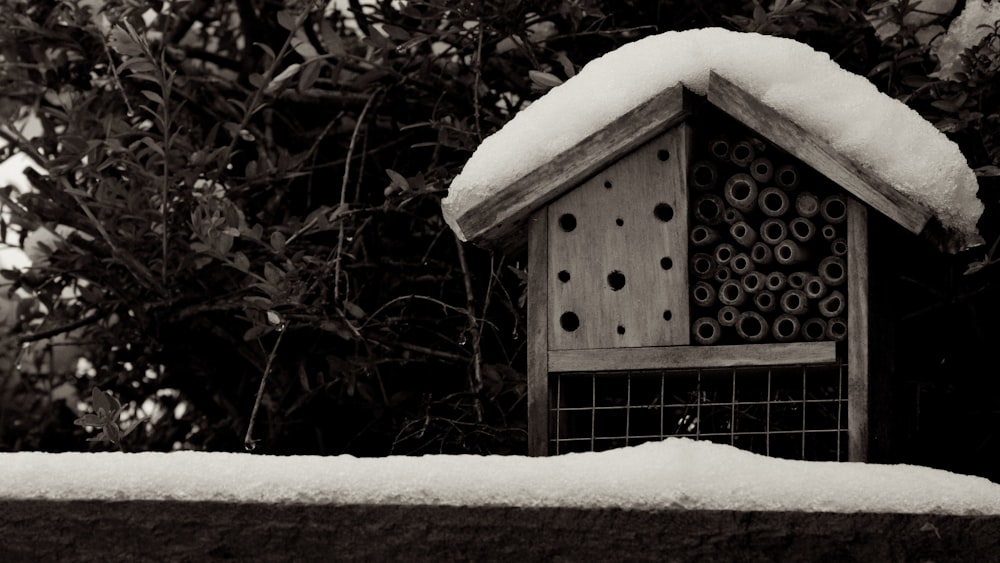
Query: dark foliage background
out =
(248, 186)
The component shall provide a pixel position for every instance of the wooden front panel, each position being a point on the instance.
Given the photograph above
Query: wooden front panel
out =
(618, 273)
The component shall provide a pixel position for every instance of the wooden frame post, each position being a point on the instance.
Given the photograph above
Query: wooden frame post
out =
(538, 334)
(858, 330)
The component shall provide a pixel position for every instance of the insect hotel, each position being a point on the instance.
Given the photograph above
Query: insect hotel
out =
(699, 267)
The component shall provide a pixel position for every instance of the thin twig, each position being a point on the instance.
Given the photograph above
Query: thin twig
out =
(62, 329)
(476, 382)
(343, 194)
(248, 442)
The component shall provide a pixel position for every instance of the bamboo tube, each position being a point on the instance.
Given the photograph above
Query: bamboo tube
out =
(773, 202)
(719, 148)
(752, 282)
(705, 330)
(731, 293)
(815, 287)
(741, 264)
(722, 273)
(797, 280)
(703, 265)
(703, 294)
(794, 302)
(742, 154)
(724, 253)
(787, 177)
(829, 232)
(708, 209)
(703, 235)
(762, 170)
(833, 270)
(833, 305)
(790, 252)
(785, 328)
(833, 209)
(838, 247)
(814, 329)
(761, 254)
(743, 233)
(775, 281)
(765, 301)
(741, 192)
(704, 175)
(732, 216)
(752, 327)
(727, 315)
(773, 231)
(802, 229)
(806, 204)
(836, 329)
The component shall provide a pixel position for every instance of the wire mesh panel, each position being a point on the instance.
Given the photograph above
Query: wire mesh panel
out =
(795, 412)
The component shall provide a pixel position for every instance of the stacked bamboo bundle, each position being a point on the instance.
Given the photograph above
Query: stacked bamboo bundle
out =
(768, 248)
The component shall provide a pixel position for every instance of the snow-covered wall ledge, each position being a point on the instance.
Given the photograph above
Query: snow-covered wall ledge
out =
(677, 499)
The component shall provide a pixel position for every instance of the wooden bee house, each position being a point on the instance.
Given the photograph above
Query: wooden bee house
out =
(700, 268)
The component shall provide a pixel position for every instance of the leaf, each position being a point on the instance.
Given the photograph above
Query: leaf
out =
(398, 180)
(100, 400)
(274, 318)
(544, 80)
(331, 40)
(241, 262)
(354, 310)
(113, 433)
(256, 332)
(89, 419)
(278, 241)
(988, 171)
(309, 75)
(336, 327)
(287, 20)
(273, 274)
(152, 96)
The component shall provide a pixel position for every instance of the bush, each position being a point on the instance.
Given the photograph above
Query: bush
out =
(248, 190)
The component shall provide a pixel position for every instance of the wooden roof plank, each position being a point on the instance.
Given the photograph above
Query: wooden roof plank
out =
(817, 153)
(499, 221)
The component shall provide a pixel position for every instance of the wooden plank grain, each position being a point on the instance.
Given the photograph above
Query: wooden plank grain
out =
(499, 222)
(684, 357)
(858, 327)
(537, 335)
(817, 153)
(620, 265)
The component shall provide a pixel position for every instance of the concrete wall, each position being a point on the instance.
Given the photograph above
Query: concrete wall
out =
(178, 531)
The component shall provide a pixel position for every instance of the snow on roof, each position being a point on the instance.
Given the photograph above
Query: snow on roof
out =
(674, 474)
(844, 109)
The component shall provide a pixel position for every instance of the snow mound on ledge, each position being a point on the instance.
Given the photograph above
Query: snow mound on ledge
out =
(844, 109)
(677, 474)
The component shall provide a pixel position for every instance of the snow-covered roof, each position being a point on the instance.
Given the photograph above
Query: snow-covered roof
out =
(678, 473)
(879, 134)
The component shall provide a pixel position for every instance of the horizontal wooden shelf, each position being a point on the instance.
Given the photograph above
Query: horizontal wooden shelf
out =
(681, 357)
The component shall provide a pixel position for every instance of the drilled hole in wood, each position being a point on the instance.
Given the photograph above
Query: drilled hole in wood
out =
(621, 329)
(616, 280)
(619, 221)
(563, 276)
(569, 321)
(663, 155)
(663, 211)
(666, 263)
(567, 222)
(667, 315)
(608, 184)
